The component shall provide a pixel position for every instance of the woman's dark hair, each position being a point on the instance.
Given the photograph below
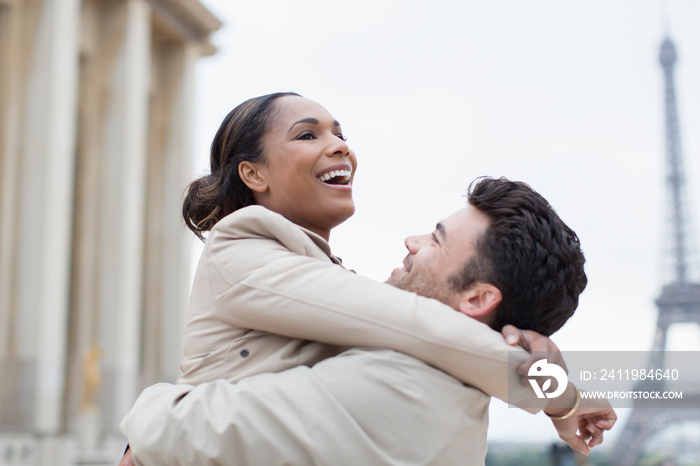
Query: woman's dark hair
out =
(528, 253)
(212, 197)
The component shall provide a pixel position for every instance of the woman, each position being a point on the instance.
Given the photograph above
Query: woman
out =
(268, 294)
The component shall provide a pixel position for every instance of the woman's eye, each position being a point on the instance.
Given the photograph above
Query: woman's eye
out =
(306, 136)
(434, 238)
(342, 138)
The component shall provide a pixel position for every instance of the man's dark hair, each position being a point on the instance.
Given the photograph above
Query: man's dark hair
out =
(528, 253)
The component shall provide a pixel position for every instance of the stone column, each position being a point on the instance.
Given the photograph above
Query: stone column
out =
(11, 67)
(45, 206)
(17, 19)
(178, 173)
(123, 207)
(84, 374)
(168, 244)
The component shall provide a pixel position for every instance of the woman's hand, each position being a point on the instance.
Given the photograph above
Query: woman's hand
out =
(537, 345)
(584, 429)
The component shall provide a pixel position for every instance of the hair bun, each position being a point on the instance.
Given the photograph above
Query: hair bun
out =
(239, 138)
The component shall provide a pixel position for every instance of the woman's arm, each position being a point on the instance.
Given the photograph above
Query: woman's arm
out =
(284, 291)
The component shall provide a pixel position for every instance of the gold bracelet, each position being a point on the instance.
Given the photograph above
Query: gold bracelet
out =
(570, 412)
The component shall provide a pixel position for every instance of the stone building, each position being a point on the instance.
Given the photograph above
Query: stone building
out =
(96, 123)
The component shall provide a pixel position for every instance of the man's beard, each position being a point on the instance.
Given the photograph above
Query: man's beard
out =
(423, 285)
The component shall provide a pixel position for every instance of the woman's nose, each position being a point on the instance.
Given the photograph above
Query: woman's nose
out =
(338, 147)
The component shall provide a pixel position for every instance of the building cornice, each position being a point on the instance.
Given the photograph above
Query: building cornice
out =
(188, 19)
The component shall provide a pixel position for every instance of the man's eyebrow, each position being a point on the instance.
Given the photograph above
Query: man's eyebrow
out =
(441, 230)
(313, 121)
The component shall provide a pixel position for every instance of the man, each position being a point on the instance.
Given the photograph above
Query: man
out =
(506, 258)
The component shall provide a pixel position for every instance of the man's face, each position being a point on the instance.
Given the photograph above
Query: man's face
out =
(433, 258)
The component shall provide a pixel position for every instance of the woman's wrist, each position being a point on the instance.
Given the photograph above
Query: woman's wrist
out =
(565, 405)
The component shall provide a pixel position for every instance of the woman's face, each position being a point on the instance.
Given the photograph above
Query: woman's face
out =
(308, 166)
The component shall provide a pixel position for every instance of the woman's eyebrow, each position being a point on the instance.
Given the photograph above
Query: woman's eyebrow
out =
(313, 121)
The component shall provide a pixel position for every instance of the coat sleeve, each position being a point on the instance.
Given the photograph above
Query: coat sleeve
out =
(272, 419)
(362, 407)
(288, 293)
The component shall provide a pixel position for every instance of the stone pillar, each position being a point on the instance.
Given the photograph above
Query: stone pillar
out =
(13, 410)
(102, 25)
(45, 207)
(11, 68)
(122, 210)
(170, 169)
(178, 173)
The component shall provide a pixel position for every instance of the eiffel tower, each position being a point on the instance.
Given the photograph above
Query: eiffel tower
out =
(679, 301)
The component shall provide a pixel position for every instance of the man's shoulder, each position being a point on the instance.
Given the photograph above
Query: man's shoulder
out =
(395, 368)
(370, 356)
(399, 400)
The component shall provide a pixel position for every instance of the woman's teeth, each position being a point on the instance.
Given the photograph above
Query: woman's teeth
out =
(344, 176)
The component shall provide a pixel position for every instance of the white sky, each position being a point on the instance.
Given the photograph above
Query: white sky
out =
(567, 96)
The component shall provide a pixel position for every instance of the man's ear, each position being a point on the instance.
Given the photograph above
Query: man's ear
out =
(480, 301)
(253, 175)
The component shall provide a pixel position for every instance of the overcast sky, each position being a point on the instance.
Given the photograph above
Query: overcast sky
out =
(567, 96)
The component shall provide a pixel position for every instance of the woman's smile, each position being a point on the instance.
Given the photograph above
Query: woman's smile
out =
(336, 176)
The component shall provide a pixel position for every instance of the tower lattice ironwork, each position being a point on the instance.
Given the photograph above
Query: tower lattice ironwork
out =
(679, 301)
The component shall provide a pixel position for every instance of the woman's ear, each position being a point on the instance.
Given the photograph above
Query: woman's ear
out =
(253, 175)
(480, 301)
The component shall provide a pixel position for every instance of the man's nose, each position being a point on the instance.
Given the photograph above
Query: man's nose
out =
(415, 243)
